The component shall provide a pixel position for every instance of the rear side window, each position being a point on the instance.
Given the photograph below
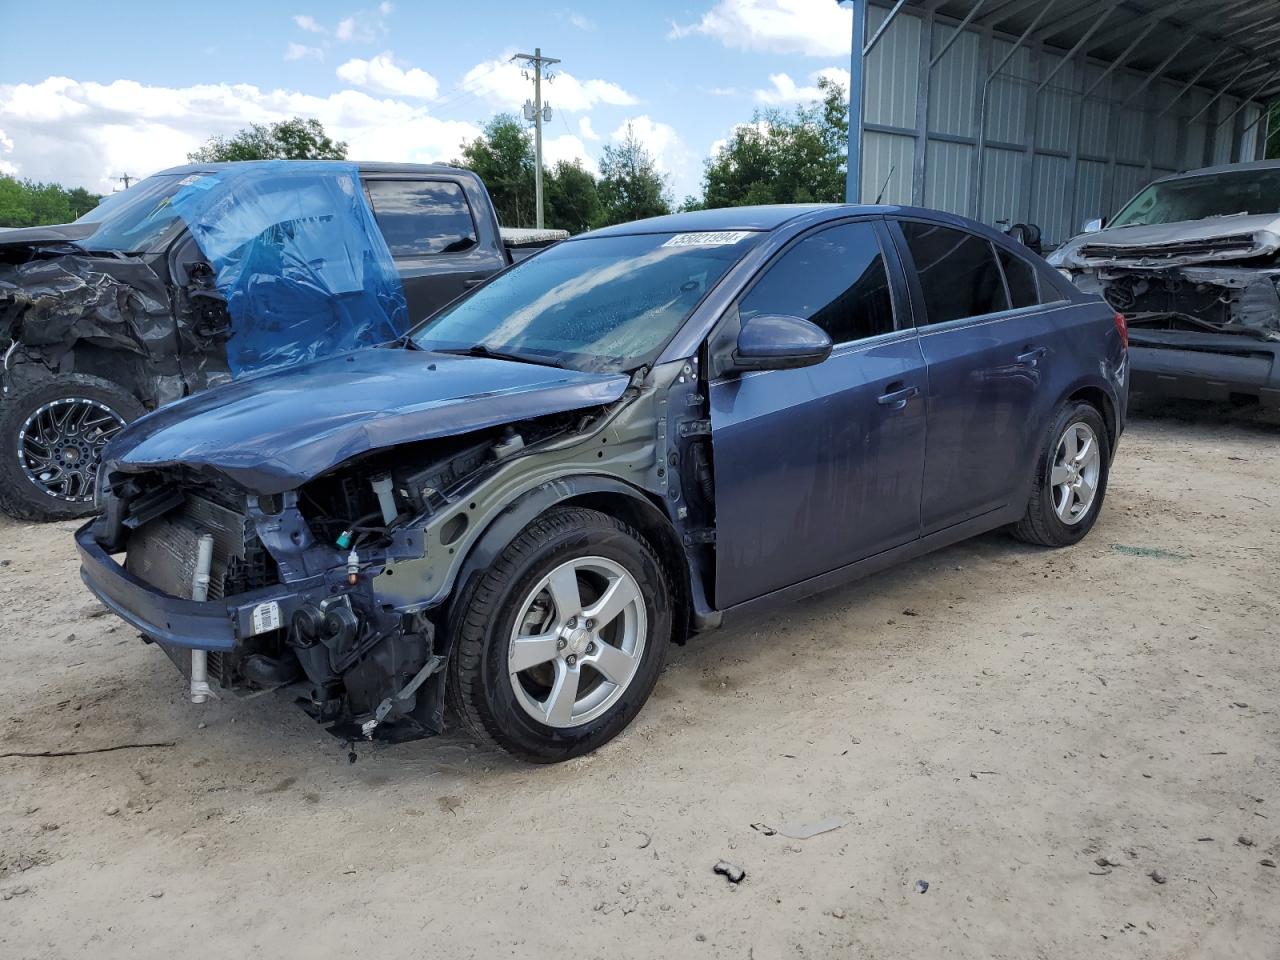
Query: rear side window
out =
(1021, 278)
(835, 278)
(423, 217)
(957, 270)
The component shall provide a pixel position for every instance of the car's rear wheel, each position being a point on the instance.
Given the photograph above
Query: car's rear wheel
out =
(52, 434)
(1071, 479)
(561, 641)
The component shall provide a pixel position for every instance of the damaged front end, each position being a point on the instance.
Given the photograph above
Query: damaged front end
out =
(334, 586)
(1203, 312)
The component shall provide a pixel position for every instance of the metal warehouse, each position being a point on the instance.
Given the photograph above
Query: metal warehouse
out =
(1055, 111)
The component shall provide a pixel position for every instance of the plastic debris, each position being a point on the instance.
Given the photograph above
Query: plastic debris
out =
(730, 871)
(803, 831)
(922, 886)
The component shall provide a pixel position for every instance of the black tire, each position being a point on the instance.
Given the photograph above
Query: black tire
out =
(1041, 523)
(479, 686)
(21, 495)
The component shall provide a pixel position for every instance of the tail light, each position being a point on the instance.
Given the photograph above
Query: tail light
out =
(1122, 328)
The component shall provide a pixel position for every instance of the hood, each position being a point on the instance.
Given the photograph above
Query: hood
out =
(276, 430)
(1173, 244)
(39, 236)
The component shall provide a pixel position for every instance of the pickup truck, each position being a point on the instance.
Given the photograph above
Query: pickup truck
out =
(204, 272)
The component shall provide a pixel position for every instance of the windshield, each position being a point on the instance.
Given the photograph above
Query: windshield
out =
(134, 220)
(600, 303)
(1197, 198)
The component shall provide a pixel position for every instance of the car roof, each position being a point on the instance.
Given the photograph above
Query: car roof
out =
(363, 166)
(1250, 166)
(771, 217)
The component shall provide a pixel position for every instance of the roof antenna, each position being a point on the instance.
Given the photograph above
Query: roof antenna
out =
(885, 185)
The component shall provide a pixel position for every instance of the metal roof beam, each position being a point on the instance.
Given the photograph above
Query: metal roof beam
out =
(1159, 71)
(1120, 60)
(1244, 102)
(1089, 12)
(1222, 52)
(1079, 43)
(1218, 96)
(1150, 21)
(1006, 10)
(956, 35)
(885, 26)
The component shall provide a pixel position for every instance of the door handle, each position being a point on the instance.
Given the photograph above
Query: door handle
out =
(897, 397)
(1030, 358)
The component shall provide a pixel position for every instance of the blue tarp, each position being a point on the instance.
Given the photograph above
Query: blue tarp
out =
(299, 258)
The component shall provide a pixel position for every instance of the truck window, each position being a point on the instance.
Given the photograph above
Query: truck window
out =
(422, 217)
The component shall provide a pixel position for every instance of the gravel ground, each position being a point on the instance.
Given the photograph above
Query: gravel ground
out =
(1077, 751)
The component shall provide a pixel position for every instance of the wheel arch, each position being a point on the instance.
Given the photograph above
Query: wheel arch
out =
(605, 494)
(1095, 396)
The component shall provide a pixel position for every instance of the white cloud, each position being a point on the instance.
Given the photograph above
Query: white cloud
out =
(566, 147)
(785, 90)
(86, 134)
(346, 29)
(584, 127)
(300, 51)
(6, 146)
(670, 155)
(503, 84)
(307, 22)
(581, 22)
(817, 28)
(385, 8)
(364, 26)
(382, 75)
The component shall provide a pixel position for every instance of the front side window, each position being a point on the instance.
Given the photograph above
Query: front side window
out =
(835, 278)
(958, 272)
(598, 303)
(423, 217)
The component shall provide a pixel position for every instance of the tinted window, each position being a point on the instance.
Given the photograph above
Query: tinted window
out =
(957, 271)
(422, 218)
(1021, 278)
(835, 278)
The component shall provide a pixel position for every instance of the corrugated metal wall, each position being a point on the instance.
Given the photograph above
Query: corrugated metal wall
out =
(1054, 158)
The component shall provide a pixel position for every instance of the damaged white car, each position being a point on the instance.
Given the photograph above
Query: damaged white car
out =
(1193, 262)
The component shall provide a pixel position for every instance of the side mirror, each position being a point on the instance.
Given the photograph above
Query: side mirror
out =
(777, 342)
(1094, 225)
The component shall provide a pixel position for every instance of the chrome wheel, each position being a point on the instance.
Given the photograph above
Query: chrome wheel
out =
(60, 446)
(577, 642)
(1077, 467)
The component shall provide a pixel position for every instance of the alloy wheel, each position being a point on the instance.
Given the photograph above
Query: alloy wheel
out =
(577, 642)
(1077, 467)
(60, 446)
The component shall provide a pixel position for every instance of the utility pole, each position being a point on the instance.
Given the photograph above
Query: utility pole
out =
(537, 113)
(126, 179)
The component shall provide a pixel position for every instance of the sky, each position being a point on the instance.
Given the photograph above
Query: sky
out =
(91, 91)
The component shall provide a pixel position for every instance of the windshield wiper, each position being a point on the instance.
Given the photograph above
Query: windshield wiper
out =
(483, 350)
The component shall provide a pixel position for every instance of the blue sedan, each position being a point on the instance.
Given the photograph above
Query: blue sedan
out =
(636, 435)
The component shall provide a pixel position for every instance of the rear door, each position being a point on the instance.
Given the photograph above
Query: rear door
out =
(430, 229)
(989, 348)
(819, 467)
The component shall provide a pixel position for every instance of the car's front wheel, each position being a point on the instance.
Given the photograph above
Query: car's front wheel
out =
(560, 642)
(1071, 479)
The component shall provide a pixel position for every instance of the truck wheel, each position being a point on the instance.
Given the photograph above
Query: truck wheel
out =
(51, 437)
(1071, 479)
(560, 642)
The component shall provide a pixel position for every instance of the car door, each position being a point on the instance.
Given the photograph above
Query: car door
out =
(819, 467)
(987, 364)
(430, 229)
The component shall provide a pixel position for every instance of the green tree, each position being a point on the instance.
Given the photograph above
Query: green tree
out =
(571, 197)
(784, 158)
(630, 187)
(26, 203)
(502, 156)
(295, 139)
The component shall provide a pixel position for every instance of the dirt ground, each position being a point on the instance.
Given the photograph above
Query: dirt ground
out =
(1078, 751)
